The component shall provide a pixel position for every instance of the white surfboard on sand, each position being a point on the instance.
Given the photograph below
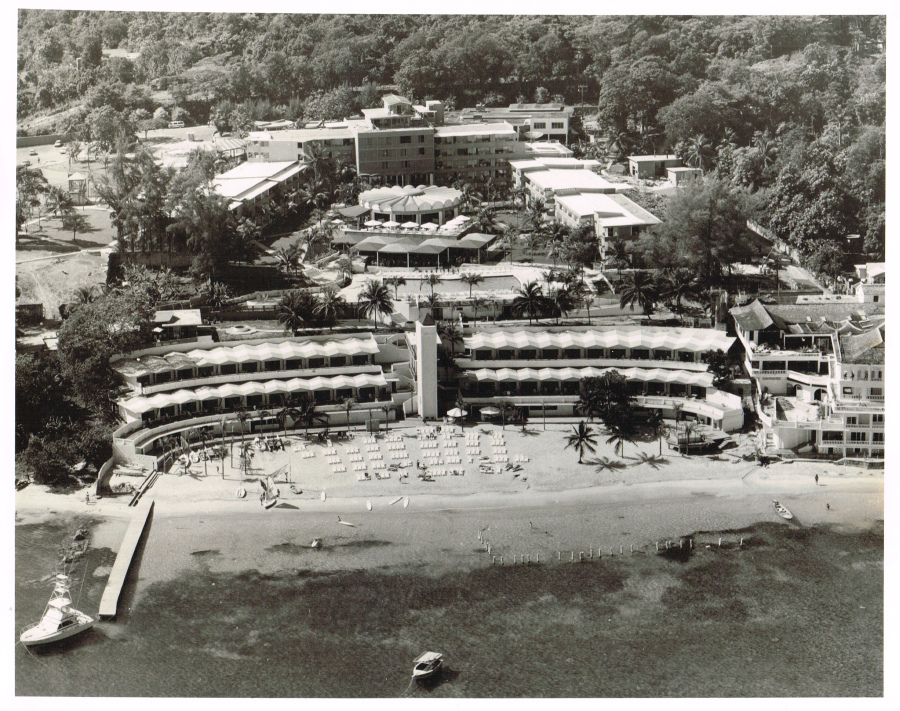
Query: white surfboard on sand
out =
(369, 505)
(399, 498)
(322, 496)
(406, 502)
(346, 523)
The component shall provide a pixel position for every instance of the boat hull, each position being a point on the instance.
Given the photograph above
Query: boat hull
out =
(58, 635)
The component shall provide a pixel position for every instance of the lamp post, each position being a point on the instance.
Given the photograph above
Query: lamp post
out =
(582, 87)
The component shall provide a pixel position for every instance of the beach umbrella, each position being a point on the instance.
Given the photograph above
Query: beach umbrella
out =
(337, 221)
(461, 218)
(456, 412)
(490, 411)
(428, 226)
(410, 225)
(391, 223)
(372, 223)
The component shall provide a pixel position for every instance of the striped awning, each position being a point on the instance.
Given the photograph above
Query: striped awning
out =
(654, 375)
(139, 405)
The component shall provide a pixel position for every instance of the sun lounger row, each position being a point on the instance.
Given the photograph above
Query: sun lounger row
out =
(307, 455)
(339, 470)
(448, 472)
(333, 460)
(375, 457)
(522, 458)
(500, 451)
(430, 445)
(500, 458)
(400, 455)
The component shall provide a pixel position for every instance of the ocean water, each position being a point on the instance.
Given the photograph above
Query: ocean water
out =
(797, 613)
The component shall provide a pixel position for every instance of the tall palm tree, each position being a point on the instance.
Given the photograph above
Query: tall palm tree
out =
(618, 145)
(588, 301)
(295, 310)
(349, 404)
(638, 288)
(556, 234)
(700, 152)
(529, 300)
(487, 222)
(330, 306)
(766, 147)
(620, 432)
(396, 282)
(680, 284)
(431, 303)
(657, 426)
(536, 213)
(288, 258)
(450, 336)
(375, 300)
(581, 439)
(432, 280)
(477, 303)
(309, 414)
(560, 302)
(472, 279)
(288, 409)
(58, 201)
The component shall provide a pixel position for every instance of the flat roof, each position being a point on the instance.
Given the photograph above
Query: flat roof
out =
(609, 210)
(644, 159)
(299, 135)
(554, 179)
(259, 169)
(475, 129)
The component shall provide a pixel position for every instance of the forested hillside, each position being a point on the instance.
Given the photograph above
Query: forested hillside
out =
(791, 108)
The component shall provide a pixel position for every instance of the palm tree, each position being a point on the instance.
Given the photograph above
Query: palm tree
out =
(657, 425)
(396, 282)
(556, 234)
(472, 279)
(588, 301)
(766, 147)
(536, 214)
(487, 222)
(58, 202)
(330, 306)
(699, 152)
(560, 303)
(375, 300)
(581, 439)
(638, 289)
(432, 280)
(688, 431)
(680, 284)
(288, 409)
(349, 404)
(529, 300)
(431, 303)
(309, 415)
(621, 431)
(294, 310)
(618, 145)
(288, 258)
(85, 294)
(477, 303)
(450, 335)
(200, 434)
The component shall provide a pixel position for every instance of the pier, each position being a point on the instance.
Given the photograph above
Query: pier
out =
(110, 600)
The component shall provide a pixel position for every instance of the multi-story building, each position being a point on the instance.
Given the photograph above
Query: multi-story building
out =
(475, 152)
(543, 178)
(401, 144)
(653, 166)
(541, 369)
(614, 217)
(818, 369)
(336, 141)
(221, 387)
(531, 121)
(251, 185)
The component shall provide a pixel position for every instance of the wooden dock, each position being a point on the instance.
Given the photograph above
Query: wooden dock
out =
(110, 600)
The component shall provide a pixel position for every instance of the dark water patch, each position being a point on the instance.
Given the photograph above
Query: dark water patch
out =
(680, 553)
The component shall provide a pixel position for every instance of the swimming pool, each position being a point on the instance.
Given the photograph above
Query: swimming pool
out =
(454, 285)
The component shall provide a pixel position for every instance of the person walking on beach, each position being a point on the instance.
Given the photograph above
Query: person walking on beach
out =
(817, 479)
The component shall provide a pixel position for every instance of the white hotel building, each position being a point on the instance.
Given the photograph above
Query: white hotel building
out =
(541, 369)
(819, 372)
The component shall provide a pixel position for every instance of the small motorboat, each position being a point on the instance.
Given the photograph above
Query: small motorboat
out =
(782, 511)
(59, 621)
(427, 665)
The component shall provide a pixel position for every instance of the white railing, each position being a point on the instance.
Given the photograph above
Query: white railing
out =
(261, 375)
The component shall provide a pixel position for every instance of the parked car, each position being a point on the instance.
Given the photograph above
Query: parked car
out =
(57, 144)
(32, 152)
(176, 124)
(63, 150)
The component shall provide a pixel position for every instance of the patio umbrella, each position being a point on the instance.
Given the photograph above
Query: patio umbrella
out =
(428, 226)
(456, 412)
(391, 223)
(461, 218)
(409, 225)
(490, 411)
(372, 223)
(337, 221)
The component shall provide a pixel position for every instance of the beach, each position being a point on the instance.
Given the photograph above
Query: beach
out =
(229, 580)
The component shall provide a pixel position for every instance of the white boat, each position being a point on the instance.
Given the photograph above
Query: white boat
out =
(427, 665)
(60, 620)
(782, 511)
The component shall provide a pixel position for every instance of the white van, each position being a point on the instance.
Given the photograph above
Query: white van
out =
(176, 124)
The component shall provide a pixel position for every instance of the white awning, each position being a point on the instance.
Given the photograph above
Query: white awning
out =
(139, 405)
(655, 375)
(680, 339)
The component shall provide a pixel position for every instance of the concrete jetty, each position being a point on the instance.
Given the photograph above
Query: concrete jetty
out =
(110, 600)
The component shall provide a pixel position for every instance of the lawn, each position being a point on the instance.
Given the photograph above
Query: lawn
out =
(49, 236)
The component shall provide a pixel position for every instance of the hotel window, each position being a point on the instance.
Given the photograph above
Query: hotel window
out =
(878, 437)
(316, 362)
(293, 364)
(540, 124)
(421, 151)
(876, 392)
(851, 421)
(877, 419)
(405, 139)
(858, 436)
(360, 360)
(251, 367)
(832, 436)
(421, 138)
(557, 124)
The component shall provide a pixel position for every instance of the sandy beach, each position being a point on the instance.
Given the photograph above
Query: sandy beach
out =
(225, 593)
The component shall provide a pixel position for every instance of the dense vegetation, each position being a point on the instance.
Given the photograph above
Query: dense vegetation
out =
(791, 106)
